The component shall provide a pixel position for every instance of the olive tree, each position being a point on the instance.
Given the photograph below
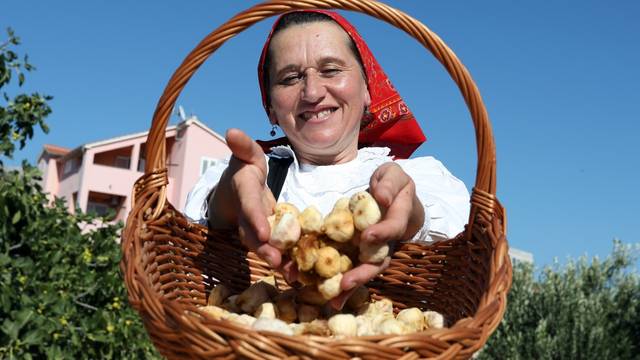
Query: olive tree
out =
(580, 310)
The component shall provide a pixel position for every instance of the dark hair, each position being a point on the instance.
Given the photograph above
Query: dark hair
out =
(299, 18)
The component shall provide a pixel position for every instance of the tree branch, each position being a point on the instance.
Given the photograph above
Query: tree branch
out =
(17, 246)
(84, 293)
(90, 307)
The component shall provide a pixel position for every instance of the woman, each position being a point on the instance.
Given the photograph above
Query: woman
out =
(321, 85)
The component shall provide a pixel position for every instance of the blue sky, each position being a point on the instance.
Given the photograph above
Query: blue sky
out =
(560, 81)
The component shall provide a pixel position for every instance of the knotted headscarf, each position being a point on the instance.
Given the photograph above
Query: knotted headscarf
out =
(389, 122)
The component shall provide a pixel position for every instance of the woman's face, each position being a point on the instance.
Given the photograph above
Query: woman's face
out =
(318, 92)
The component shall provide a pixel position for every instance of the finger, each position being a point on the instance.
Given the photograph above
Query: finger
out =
(265, 251)
(289, 271)
(246, 149)
(355, 277)
(255, 232)
(249, 183)
(361, 274)
(386, 182)
(268, 201)
(251, 204)
(247, 235)
(271, 255)
(394, 224)
(339, 301)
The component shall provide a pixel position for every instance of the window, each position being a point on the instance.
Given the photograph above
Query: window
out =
(103, 204)
(76, 203)
(97, 208)
(141, 164)
(70, 166)
(206, 163)
(122, 162)
(119, 158)
(142, 157)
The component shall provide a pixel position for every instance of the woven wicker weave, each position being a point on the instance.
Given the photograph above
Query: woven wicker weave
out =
(169, 264)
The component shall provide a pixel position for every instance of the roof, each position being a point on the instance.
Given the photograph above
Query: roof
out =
(191, 121)
(55, 150)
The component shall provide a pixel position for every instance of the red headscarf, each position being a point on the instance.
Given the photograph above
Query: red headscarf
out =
(390, 122)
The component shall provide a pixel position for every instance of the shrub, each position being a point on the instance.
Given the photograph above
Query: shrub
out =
(61, 293)
(582, 310)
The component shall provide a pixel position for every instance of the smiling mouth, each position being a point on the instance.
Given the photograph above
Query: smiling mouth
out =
(317, 115)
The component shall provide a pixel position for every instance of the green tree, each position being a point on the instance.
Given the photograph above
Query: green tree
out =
(61, 293)
(22, 113)
(582, 310)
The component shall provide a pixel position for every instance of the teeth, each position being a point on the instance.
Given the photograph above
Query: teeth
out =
(319, 115)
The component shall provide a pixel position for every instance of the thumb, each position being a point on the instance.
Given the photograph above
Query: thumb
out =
(245, 148)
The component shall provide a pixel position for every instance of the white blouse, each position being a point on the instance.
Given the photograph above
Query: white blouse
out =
(445, 198)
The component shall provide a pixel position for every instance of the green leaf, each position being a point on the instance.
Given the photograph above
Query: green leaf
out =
(16, 217)
(23, 317)
(33, 337)
(4, 260)
(10, 328)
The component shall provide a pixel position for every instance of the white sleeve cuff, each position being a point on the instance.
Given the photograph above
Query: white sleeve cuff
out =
(444, 197)
(196, 206)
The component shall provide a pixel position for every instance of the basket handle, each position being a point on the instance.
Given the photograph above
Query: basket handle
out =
(483, 196)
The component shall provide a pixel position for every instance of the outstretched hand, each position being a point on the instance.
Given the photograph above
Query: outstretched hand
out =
(403, 216)
(242, 198)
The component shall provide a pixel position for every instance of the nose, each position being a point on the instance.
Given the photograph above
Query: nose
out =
(314, 89)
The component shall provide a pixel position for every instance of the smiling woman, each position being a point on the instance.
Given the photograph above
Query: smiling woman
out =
(318, 92)
(347, 130)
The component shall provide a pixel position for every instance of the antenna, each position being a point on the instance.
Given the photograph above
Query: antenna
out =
(181, 113)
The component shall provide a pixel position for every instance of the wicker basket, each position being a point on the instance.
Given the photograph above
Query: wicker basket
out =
(170, 265)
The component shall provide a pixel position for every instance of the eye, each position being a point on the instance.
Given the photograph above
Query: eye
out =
(331, 71)
(290, 79)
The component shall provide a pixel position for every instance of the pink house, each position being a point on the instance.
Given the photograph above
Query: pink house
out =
(98, 177)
